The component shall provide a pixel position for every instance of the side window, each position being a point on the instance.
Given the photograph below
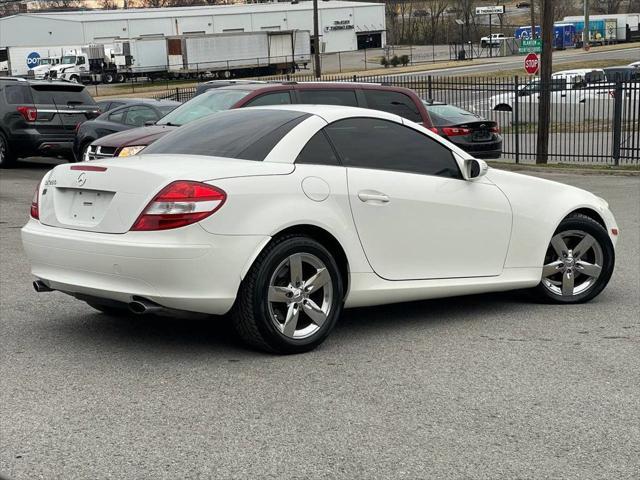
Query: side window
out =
(384, 145)
(80, 61)
(318, 151)
(393, 102)
(275, 98)
(118, 116)
(16, 95)
(137, 116)
(346, 98)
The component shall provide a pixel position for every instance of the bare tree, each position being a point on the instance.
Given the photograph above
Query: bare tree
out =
(108, 4)
(60, 4)
(436, 9)
(608, 6)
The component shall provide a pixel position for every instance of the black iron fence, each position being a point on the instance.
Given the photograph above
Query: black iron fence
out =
(595, 123)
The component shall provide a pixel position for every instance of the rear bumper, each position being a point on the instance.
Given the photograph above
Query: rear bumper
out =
(183, 269)
(28, 143)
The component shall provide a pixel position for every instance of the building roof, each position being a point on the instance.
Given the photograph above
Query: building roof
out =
(146, 13)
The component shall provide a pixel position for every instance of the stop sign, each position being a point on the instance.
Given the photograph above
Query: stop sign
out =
(531, 64)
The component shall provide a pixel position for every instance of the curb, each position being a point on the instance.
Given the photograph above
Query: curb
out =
(633, 171)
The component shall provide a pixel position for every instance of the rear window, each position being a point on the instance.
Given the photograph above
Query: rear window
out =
(393, 102)
(56, 95)
(449, 115)
(241, 134)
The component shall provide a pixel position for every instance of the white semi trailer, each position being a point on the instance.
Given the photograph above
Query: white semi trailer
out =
(239, 54)
(18, 61)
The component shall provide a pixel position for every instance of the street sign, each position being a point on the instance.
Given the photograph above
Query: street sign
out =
(531, 64)
(531, 46)
(490, 10)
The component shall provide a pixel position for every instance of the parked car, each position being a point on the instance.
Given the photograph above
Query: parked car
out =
(111, 103)
(494, 41)
(125, 117)
(523, 5)
(421, 13)
(635, 65)
(39, 117)
(621, 74)
(282, 216)
(473, 133)
(401, 101)
(206, 86)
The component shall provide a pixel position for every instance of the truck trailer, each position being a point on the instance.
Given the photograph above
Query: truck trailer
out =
(563, 34)
(626, 25)
(227, 55)
(19, 61)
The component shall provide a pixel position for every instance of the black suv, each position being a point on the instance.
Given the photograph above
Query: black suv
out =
(40, 117)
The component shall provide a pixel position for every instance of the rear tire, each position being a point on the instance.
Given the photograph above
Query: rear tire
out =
(291, 297)
(7, 160)
(578, 263)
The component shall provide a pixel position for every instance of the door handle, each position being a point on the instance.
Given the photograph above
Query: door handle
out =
(372, 196)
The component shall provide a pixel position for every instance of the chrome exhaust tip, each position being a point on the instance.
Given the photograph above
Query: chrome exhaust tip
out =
(40, 287)
(141, 306)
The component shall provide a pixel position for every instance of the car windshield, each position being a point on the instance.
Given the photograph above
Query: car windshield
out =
(210, 102)
(449, 115)
(68, 60)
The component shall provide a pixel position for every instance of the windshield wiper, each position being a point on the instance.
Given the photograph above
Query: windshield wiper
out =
(169, 124)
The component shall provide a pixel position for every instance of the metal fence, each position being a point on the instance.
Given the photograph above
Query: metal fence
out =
(598, 123)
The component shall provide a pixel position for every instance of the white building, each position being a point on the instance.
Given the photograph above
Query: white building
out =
(343, 25)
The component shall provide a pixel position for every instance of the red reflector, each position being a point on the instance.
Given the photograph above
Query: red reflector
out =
(614, 231)
(455, 131)
(35, 210)
(88, 168)
(30, 114)
(179, 204)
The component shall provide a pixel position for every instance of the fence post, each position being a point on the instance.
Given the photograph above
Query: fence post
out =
(365, 58)
(429, 88)
(617, 123)
(178, 95)
(516, 117)
(339, 63)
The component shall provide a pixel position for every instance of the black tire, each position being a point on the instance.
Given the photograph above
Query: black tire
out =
(503, 107)
(7, 159)
(250, 314)
(108, 77)
(583, 223)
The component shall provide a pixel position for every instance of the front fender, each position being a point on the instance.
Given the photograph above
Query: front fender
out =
(539, 206)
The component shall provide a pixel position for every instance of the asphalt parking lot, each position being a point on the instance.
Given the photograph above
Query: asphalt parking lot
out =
(490, 386)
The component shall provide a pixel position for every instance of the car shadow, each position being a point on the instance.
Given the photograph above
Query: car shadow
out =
(215, 335)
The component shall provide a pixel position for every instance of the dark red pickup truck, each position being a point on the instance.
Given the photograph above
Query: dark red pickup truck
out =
(400, 101)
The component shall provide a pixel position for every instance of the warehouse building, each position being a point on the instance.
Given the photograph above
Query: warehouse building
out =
(343, 25)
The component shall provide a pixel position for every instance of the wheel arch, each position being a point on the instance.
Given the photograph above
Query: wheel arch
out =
(591, 213)
(327, 239)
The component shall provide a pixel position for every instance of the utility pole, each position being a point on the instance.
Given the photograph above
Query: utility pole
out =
(585, 30)
(544, 107)
(316, 40)
(532, 10)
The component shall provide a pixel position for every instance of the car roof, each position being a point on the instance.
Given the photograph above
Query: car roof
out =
(148, 101)
(27, 81)
(331, 113)
(312, 85)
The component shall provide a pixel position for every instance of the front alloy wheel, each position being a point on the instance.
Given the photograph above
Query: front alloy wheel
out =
(578, 263)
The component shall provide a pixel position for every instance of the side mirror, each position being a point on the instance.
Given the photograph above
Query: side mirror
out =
(149, 123)
(475, 168)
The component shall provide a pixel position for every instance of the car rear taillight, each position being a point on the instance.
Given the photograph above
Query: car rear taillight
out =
(455, 131)
(179, 204)
(35, 210)
(30, 114)
(495, 129)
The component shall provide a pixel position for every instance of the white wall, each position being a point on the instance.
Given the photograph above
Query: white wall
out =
(25, 31)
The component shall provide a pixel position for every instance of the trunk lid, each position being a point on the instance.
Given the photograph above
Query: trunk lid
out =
(108, 196)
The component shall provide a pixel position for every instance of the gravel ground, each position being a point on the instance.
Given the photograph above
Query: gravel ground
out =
(490, 386)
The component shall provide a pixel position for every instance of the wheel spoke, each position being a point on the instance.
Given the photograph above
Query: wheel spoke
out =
(559, 246)
(589, 269)
(316, 282)
(314, 312)
(552, 268)
(291, 322)
(279, 294)
(295, 268)
(567, 283)
(583, 247)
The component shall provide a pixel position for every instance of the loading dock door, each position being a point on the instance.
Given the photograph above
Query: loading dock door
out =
(369, 40)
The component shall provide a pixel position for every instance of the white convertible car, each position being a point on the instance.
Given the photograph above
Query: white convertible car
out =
(282, 216)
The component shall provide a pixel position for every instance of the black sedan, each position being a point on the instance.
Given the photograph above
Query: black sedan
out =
(471, 132)
(130, 115)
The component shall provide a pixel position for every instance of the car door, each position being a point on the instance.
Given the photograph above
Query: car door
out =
(415, 215)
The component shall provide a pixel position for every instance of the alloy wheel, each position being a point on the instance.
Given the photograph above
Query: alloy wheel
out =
(573, 263)
(300, 295)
